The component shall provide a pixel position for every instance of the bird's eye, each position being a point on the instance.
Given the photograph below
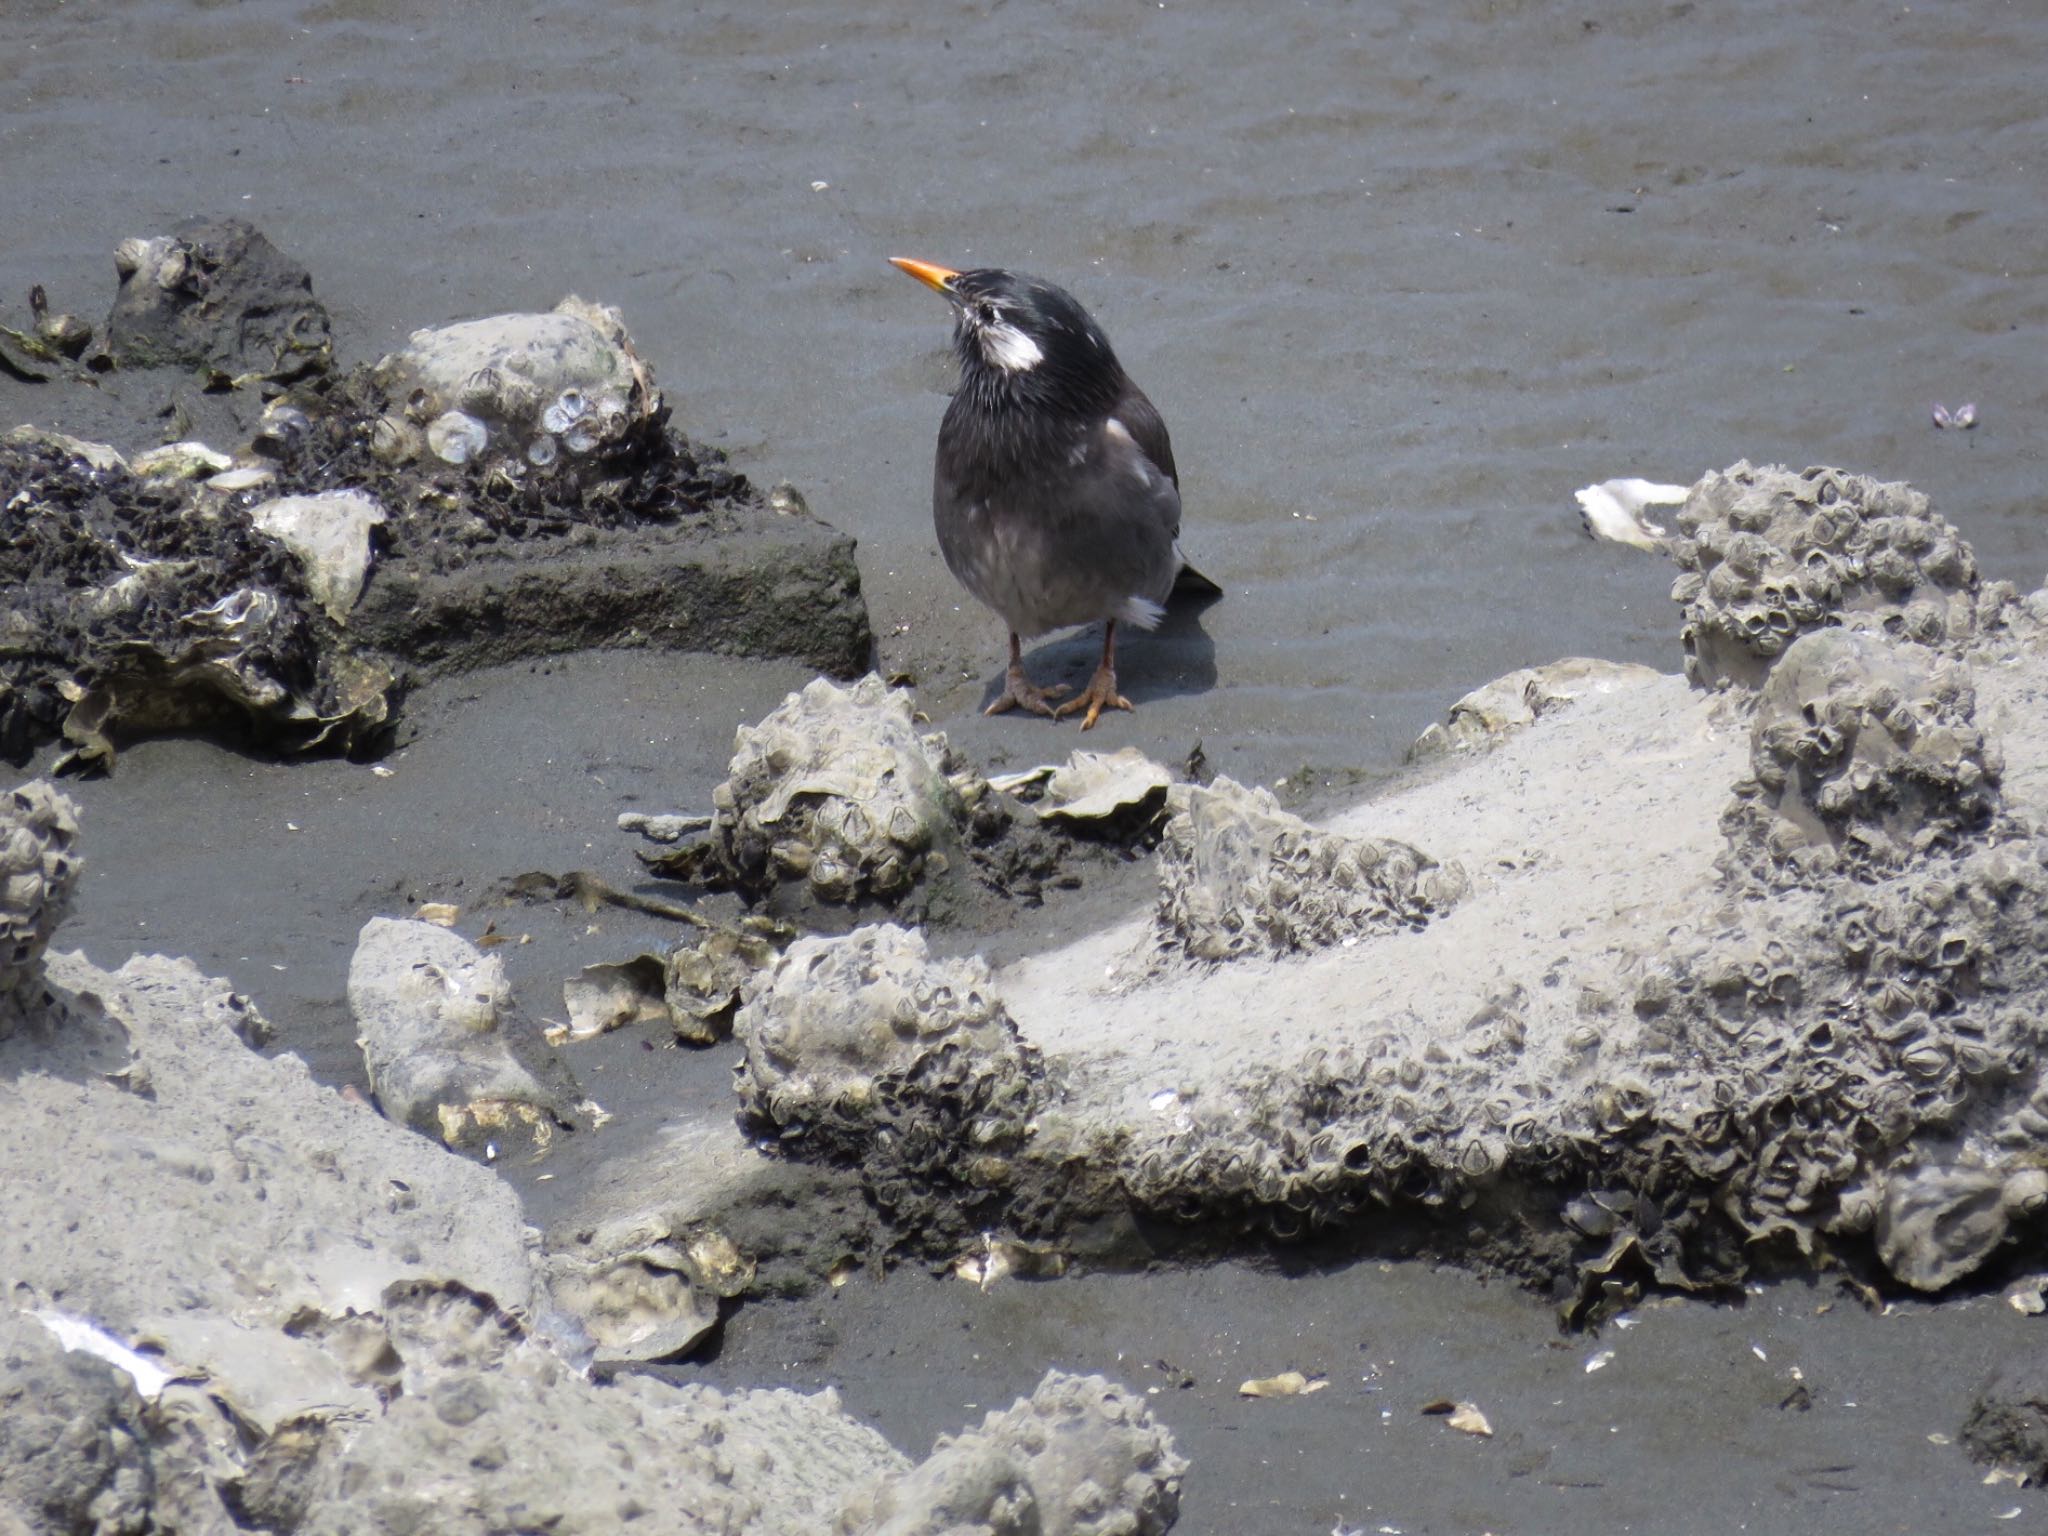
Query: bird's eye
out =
(987, 313)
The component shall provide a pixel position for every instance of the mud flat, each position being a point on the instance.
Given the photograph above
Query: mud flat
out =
(1758, 1001)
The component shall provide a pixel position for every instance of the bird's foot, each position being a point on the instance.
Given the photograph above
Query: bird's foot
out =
(1100, 694)
(1019, 692)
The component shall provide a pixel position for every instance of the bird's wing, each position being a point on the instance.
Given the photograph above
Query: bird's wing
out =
(1147, 427)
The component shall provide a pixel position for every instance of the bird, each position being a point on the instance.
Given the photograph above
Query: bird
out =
(1054, 493)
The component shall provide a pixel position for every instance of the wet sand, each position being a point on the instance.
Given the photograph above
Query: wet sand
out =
(1399, 278)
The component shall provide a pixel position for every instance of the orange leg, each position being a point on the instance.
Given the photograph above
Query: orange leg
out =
(1100, 694)
(1019, 692)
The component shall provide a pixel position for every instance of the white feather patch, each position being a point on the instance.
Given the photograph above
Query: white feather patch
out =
(1140, 613)
(1008, 348)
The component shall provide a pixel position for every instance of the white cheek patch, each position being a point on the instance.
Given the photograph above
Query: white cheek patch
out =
(1008, 348)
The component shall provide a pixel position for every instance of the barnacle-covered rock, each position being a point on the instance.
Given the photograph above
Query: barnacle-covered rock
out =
(1240, 876)
(1080, 1456)
(1864, 755)
(864, 1050)
(38, 867)
(540, 388)
(1768, 555)
(428, 1006)
(836, 791)
(847, 1035)
(216, 294)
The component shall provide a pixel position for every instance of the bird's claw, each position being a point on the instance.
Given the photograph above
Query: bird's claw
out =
(1019, 692)
(1100, 694)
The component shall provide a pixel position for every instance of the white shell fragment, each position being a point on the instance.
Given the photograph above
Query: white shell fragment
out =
(1616, 510)
(1467, 1419)
(329, 534)
(76, 1334)
(1286, 1384)
(101, 456)
(602, 998)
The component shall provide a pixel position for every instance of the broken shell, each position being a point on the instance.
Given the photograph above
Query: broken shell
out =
(394, 440)
(456, 437)
(1286, 1384)
(568, 409)
(282, 431)
(540, 453)
(67, 333)
(180, 461)
(1099, 786)
(242, 478)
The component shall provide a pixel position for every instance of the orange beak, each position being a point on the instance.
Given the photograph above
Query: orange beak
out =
(935, 277)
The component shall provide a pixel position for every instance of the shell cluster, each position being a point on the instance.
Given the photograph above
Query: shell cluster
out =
(835, 789)
(532, 390)
(1768, 555)
(38, 867)
(1240, 876)
(864, 1048)
(1864, 754)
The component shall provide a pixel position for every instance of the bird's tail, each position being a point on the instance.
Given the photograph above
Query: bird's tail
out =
(1189, 582)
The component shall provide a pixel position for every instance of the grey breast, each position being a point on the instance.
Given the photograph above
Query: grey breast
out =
(1093, 530)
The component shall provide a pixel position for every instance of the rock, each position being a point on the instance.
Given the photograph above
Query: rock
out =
(429, 1007)
(38, 869)
(152, 614)
(1238, 875)
(1520, 698)
(835, 793)
(74, 1451)
(1078, 1456)
(542, 387)
(2007, 1426)
(215, 294)
(492, 1433)
(1769, 555)
(330, 536)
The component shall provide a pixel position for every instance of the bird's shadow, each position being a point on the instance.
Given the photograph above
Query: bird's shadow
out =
(1176, 659)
